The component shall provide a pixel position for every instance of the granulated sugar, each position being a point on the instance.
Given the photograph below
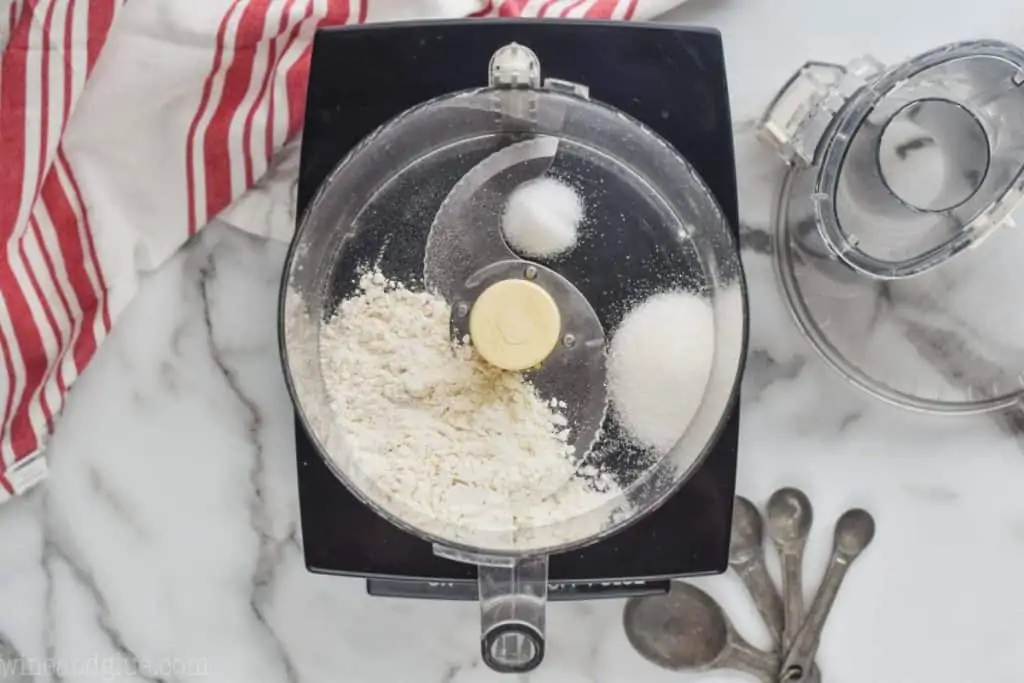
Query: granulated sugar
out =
(659, 364)
(440, 430)
(542, 218)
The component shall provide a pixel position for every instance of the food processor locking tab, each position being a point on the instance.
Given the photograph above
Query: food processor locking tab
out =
(801, 113)
(517, 66)
(514, 66)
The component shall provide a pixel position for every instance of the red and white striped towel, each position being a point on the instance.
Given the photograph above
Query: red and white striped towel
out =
(124, 128)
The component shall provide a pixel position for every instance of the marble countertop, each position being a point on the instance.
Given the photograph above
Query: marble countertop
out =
(168, 535)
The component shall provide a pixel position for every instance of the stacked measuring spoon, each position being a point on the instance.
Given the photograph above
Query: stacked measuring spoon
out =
(686, 630)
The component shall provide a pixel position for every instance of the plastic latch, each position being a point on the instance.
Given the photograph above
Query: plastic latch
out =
(514, 66)
(800, 114)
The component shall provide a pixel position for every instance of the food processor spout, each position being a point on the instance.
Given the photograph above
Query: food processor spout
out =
(513, 596)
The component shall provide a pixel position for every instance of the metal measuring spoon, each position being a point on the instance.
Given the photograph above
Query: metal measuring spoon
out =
(686, 630)
(746, 557)
(854, 531)
(789, 523)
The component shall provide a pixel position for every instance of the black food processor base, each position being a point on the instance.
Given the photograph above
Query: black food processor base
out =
(673, 80)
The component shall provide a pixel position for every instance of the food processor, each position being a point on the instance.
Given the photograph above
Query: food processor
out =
(895, 237)
(413, 183)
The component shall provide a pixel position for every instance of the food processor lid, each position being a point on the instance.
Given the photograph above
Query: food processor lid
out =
(855, 124)
(889, 239)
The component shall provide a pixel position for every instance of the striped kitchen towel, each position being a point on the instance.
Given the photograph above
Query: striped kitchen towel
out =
(124, 128)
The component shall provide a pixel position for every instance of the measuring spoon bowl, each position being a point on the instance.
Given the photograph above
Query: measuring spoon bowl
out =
(686, 630)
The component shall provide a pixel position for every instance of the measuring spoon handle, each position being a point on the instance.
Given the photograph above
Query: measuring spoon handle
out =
(799, 659)
(792, 592)
(743, 656)
(767, 600)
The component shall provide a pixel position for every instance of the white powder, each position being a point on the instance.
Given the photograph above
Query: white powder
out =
(466, 446)
(659, 364)
(542, 218)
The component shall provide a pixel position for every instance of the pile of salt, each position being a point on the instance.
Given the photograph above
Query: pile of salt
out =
(542, 218)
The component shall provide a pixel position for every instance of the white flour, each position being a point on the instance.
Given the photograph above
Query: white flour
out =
(542, 218)
(659, 363)
(438, 429)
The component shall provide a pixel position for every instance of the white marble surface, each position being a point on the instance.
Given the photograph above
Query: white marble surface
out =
(168, 534)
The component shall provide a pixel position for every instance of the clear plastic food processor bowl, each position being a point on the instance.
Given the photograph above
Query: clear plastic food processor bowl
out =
(422, 198)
